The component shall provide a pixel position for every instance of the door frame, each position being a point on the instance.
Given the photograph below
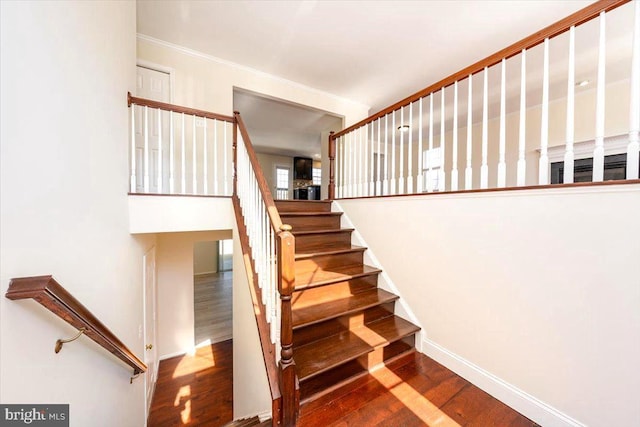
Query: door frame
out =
(161, 69)
(148, 396)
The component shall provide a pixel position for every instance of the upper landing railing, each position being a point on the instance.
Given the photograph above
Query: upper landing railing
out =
(526, 115)
(179, 150)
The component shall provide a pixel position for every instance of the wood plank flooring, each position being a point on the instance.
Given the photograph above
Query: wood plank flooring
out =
(213, 307)
(412, 391)
(195, 390)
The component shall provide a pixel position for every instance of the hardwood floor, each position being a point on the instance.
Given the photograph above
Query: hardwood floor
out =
(213, 306)
(411, 391)
(195, 390)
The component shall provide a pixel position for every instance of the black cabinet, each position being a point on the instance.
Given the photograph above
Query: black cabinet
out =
(302, 168)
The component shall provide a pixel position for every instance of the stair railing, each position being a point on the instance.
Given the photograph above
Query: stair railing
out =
(272, 249)
(179, 150)
(420, 144)
(51, 295)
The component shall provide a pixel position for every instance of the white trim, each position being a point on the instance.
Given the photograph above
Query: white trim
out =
(244, 68)
(402, 307)
(170, 355)
(519, 400)
(162, 69)
(584, 149)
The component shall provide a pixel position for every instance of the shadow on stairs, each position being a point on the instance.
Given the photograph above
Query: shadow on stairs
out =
(344, 325)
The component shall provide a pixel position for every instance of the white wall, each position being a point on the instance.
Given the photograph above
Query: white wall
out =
(540, 289)
(174, 258)
(205, 257)
(66, 68)
(207, 83)
(251, 393)
(161, 214)
(268, 163)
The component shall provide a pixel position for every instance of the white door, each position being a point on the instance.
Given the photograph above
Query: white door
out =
(150, 342)
(154, 85)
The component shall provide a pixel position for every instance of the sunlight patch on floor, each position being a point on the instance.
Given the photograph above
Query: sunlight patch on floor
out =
(422, 408)
(184, 393)
(202, 358)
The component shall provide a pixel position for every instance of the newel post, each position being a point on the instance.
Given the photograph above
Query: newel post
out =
(332, 167)
(286, 282)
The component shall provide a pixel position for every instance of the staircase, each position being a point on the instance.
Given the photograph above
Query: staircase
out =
(343, 324)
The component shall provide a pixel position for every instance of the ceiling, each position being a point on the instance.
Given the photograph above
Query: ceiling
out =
(372, 52)
(281, 128)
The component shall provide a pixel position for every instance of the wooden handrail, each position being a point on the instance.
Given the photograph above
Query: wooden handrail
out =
(176, 108)
(50, 294)
(274, 216)
(577, 18)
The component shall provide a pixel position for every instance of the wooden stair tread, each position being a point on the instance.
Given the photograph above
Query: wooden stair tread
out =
(315, 253)
(321, 304)
(319, 356)
(310, 213)
(328, 231)
(322, 277)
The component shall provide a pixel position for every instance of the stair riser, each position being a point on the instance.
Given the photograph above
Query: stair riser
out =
(371, 279)
(314, 387)
(327, 262)
(302, 206)
(320, 330)
(307, 223)
(323, 241)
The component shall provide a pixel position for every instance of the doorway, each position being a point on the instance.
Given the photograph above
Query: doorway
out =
(212, 283)
(150, 341)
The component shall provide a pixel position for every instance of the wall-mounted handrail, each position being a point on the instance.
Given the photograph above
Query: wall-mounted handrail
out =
(51, 295)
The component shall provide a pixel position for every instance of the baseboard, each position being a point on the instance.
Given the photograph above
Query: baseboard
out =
(204, 273)
(522, 402)
(170, 355)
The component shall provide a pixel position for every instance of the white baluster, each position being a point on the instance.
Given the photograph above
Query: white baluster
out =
(443, 118)
(543, 166)
(502, 165)
(598, 152)
(146, 149)
(410, 162)
(340, 169)
(522, 164)
(183, 160)
(226, 162)
(468, 172)
(133, 149)
(484, 168)
(430, 152)
(385, 183)
(568, 153)
(193, 156)
(454, 153)
(216, 168)
(171, 155)
(378, 180)
(392, 182)
(420, 178)
(363, 161)
(634, 108)
(353, 149)
(401, 179)
(205, 160)
(159, 171)
(372, 189)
